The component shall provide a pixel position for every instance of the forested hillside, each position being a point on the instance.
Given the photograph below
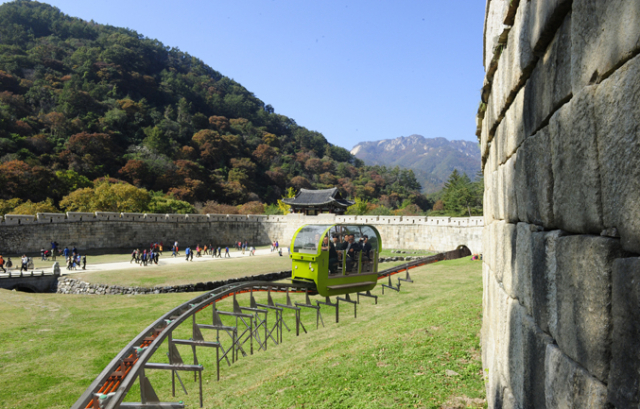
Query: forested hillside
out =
(81, 101)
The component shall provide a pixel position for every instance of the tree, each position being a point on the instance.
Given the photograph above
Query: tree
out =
(80, 200)
(108, 197)
(252, 208)
(137, 172)
(300, 182)
(29, 207)
(161, 203)
(359, 208)
(264, 154)
(69, 181)
(285, 208)
(7, 206)
(461, 196)
(24, 181)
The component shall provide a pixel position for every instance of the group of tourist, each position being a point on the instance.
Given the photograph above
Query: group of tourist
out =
(144, 257)
(349, 247)
(73, 259)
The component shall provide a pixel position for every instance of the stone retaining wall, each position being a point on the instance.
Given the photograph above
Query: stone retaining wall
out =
(114, 230)
(560, 139)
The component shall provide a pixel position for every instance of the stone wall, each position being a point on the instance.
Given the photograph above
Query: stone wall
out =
(559, 129)
(128, 230)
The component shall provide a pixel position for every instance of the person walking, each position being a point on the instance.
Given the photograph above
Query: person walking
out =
(25, 262)
(84, 262)
(133, 256)
(226, 252)
(187, 251)
(2, 264)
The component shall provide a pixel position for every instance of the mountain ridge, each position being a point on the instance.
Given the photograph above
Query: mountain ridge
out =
(432, 159)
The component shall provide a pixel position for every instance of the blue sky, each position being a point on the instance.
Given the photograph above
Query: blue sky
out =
(352, 70)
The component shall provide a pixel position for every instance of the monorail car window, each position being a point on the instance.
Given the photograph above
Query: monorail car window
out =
(308, 239)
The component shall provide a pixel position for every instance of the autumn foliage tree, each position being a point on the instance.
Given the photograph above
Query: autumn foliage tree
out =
(108, 197)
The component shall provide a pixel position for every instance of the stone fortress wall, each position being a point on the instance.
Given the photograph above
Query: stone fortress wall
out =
(560, 141)
(19, 233)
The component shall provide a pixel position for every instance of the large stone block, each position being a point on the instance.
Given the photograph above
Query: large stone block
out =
(508, 257)
(534, 346)
(577, 195)
(617, 117)
(495, 342)
(545, 304)
(493, 28)
(583, 282)
(507, 178)
(546, 16)
(513, 375)
(528, 256)
(511, 132)
(550, 83)
(624, 376)
(495, 196)
(567, 385)
(514, 66)
(604, 33)
(534, 180)
(504, 238)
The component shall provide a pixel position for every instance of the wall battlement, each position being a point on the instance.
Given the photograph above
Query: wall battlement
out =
(70, 217)
(23, 233)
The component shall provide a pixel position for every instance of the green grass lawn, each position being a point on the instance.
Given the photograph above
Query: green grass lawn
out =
(188, 272)
(395, 354)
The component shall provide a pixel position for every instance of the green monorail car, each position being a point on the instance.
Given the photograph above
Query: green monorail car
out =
(339, 258)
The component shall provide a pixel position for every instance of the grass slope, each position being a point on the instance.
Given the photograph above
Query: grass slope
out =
(395, 354)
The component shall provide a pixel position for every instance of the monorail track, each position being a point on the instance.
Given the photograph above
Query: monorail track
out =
(110, 388)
